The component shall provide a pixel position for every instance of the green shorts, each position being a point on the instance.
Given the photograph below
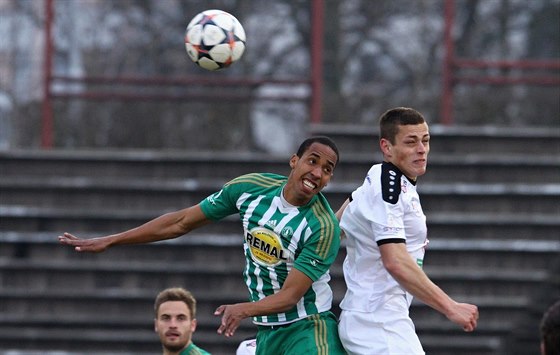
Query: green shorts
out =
(314, 335)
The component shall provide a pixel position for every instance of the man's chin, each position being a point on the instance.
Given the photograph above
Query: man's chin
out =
(174, 347)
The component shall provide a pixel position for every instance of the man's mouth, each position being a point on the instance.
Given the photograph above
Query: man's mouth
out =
(309, 184)
(172, 334)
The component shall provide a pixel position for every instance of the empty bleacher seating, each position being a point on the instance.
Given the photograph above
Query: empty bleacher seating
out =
(492, 198)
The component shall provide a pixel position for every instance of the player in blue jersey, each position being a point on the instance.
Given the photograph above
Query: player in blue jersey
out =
(386, 238)
(291, 237)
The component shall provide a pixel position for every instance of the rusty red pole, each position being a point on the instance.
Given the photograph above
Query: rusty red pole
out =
(47, 113)
(446, 113)
(317, 14)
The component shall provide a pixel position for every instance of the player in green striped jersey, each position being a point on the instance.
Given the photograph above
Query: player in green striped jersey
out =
(291, 238)
(175, 322)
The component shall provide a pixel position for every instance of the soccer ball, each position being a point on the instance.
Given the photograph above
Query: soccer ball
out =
(214, 39)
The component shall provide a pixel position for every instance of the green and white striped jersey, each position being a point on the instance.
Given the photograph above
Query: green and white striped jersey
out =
(279, 237)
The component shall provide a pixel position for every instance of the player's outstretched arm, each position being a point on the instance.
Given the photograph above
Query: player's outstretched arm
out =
(402, 267)
(167, 226)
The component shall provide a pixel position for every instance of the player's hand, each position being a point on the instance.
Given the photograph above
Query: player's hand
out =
(465, 315)
(232, 315)
(94, 245)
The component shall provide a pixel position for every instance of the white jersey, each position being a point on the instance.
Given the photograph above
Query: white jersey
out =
(247, 347)
(385, 209)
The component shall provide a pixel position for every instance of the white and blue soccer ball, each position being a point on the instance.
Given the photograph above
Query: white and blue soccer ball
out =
(214, 39)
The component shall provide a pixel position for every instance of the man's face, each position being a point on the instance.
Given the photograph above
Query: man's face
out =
(410, 151)
(310, 173)
(174, 325)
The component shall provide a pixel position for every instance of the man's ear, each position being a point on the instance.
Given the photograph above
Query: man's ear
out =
(155, 325)
(385, 146)
(293, 161)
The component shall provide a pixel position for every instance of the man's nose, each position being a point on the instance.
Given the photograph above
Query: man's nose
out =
(317, 171)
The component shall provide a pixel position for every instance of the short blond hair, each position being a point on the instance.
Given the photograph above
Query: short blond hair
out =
(176, 294)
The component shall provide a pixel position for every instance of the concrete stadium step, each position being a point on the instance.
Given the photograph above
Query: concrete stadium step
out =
(146, 340)
(460, 345)
(494, 307)
(513, 255)
(160, 166)
(491, 196)
(491, 272)
(433, 336)
(25, 218)
(97, 320)
(104, 306)
(482, 261)
(433, 344)
(497, 314)
(138, 194)
(491, 227)
(456, 139)
(198, 249)
(41, 276)
(131, 275)
(440, 224)
(112, 341)
(19, 351)
(133, 332)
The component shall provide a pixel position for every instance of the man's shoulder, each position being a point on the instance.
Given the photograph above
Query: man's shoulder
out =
(258, 179)
(321, 204)
(192, 349)
(390, 183)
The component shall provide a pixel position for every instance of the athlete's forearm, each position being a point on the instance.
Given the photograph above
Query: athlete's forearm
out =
(415, 281)
(168, 226)
(163, 227)
(293, 289)
(412, 278)
(277, 303)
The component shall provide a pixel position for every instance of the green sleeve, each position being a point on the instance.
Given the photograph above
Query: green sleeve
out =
(220, 204)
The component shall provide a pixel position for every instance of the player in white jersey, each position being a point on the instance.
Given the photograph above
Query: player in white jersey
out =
(291, 239)
(386, 237)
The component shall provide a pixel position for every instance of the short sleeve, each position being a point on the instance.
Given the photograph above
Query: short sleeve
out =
(220, 204)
